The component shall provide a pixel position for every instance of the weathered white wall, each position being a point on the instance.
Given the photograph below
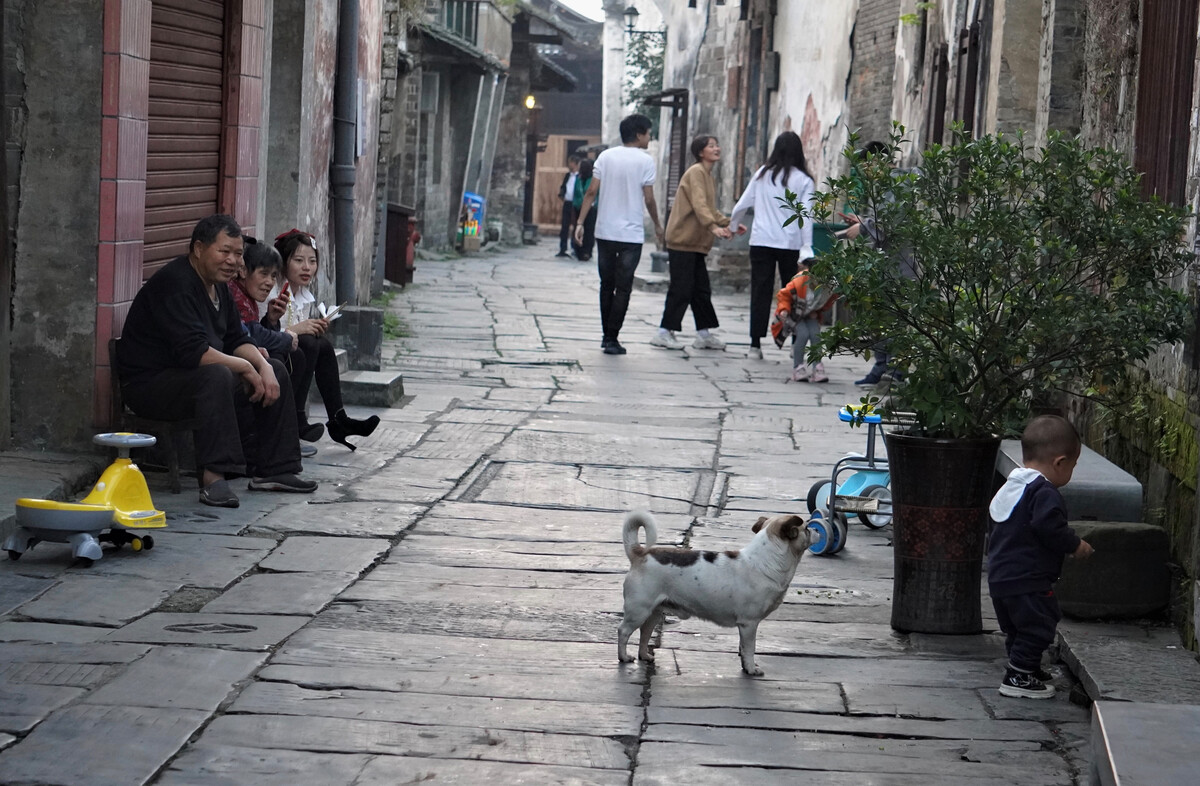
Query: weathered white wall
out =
(813, 38)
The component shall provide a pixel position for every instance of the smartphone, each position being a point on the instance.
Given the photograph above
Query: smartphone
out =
(283, 289)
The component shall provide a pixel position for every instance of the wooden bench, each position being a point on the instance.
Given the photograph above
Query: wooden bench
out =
(168, 432)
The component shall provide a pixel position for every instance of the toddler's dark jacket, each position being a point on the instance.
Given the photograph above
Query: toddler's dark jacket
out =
(1026, 550)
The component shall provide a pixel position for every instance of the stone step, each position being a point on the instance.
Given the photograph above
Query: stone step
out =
(1127, 576)
(372, 388)
(1130, 662)
(1139, 743)
(343, 360)
(1099, 490)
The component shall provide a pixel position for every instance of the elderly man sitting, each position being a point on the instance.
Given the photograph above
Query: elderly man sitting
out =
(183, 354)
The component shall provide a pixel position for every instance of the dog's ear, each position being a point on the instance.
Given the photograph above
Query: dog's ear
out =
(759, 524)
(795, 526)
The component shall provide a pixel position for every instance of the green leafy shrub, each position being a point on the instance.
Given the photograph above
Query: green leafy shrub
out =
(1005, 274)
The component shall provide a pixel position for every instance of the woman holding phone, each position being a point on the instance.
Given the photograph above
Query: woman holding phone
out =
(314, 357)
(773, 245)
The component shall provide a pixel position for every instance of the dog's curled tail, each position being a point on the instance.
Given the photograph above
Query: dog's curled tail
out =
(634, 520)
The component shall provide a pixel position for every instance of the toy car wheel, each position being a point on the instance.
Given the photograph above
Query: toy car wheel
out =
(882, 518)
(135, 544)
(839, 533)
(14, 555)
(823, 534)
(148, 542)
(818, 495)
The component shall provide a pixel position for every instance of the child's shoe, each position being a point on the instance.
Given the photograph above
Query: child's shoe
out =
(1023, 685)
(800, 373)
(818, 374)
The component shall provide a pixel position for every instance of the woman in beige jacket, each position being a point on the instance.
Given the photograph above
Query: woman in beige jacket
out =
(693, 224)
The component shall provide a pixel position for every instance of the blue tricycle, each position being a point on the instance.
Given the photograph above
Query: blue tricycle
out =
(864, 494)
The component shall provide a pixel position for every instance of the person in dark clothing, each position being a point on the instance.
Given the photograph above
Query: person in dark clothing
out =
(183, 354)
(566, 193)
(1028, 541)
(583, 181)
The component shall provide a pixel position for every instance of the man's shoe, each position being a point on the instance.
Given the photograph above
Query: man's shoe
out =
(561, 254)
(307, 451)
(869, 381)
(604, 342)
(755, 352)
(285, 482)
(614, 348)
(708, 342)
(666, 340)
(219, 495)
(1023, 685)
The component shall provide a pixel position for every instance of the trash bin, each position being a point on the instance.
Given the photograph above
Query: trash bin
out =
(823, 236)
(402, 236)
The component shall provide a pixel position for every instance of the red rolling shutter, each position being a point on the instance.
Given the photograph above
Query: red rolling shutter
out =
(184, 147)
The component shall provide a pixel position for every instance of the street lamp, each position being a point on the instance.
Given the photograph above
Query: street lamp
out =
(631, 19)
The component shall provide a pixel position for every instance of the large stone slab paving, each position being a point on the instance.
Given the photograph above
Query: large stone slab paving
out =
(705, 692)
(195, 678)
(596, 488)
(23, 706)
(516, 398)
(684, 429)
(1059, 710)
(467, 619)
(729, 716)
(50, 632)
(434, 577)
(228, 765)
(108, 601)
(617, 447)
(411, 480)
(539, 601)
(789, 637)
(99, 746)
(552, 717)
(549, 680)
(194, 560)
(1024, 762)
(75, 675)
(517, 555)
(281, 593)
(689, 665)
(343, 735)
(358, 519)
(102, 652)
(660, 768)
(392, 770)
(16, 589)
(912, 702)
(505, 522)
(300, 553)
(234, 631)
(756, 443)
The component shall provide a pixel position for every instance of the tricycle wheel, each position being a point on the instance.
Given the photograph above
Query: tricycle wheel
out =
(823, 534)
(883, 517)
(818, 495)
(840, 530)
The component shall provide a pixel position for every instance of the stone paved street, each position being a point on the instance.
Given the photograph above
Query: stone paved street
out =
(444, 608)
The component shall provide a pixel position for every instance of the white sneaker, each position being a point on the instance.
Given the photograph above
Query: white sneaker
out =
(708, 342)
(818, 373)
(755, 352)
(800, 373)
(666, 340)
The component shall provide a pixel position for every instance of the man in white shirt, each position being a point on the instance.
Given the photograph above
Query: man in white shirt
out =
(628, 174)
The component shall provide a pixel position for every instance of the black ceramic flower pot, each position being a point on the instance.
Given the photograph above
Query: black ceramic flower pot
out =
(940, 494)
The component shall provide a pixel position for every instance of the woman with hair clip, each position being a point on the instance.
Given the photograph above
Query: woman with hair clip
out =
(313, 357)
(772, 245)
(694, 223)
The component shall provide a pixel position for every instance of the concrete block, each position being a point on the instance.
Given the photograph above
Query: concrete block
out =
(1126, 577)
(1099, 490)
(1136, 742)
(359, 331)
(372, 388)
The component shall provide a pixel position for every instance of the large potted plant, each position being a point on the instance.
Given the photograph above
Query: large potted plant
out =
(999, 276)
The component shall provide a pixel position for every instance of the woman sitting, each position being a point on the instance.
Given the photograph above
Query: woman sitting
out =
(313, 356)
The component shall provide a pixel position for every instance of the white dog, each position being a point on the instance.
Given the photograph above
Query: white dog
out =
(726, 587)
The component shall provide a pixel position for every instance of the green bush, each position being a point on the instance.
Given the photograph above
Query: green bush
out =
(1004, 274)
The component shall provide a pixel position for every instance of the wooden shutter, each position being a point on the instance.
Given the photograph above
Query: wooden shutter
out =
(184, 147)
(1164, 101)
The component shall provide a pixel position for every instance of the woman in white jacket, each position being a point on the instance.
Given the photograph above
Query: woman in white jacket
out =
(772, 245)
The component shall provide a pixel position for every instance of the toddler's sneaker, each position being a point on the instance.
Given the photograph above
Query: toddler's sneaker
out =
(800, 373)
(666, 339)
(708, 342)
(1023, 685)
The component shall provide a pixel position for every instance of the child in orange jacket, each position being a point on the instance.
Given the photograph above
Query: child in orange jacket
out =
(798, 310)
